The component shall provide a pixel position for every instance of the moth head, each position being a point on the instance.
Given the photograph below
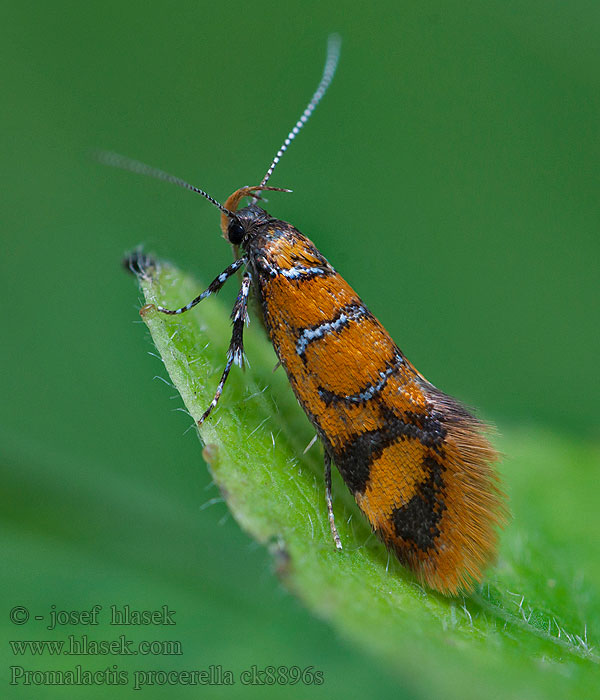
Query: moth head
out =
(232, 225)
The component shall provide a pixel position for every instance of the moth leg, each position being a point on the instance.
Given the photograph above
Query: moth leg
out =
(213, 287)
(334, 532)
(235, 354)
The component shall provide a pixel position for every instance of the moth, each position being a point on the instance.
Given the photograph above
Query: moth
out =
(418, 463)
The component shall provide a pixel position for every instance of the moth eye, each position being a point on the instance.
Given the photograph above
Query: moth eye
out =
(235, 232)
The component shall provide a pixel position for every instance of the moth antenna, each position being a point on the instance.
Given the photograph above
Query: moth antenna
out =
(334, 43)
(116, 160)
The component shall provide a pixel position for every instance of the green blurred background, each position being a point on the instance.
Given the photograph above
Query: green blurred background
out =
(451, 175)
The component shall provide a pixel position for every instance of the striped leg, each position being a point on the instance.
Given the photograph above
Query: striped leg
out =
(213, 287)
(334, 532)
(235, 354)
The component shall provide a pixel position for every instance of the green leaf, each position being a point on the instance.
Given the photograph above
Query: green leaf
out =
(528, 630)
